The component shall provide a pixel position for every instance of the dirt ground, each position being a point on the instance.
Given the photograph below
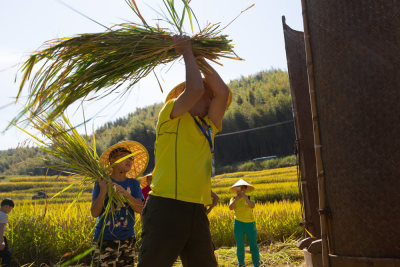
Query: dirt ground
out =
(277, 254)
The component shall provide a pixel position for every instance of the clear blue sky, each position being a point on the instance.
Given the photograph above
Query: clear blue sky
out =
(26, 25)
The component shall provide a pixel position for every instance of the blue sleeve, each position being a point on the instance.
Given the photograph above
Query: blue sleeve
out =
(96, 190)
(136, 192)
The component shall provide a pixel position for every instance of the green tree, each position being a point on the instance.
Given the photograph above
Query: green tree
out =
(258, 100)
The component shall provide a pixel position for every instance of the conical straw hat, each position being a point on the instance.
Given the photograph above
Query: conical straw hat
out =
(240, 183)
(143, 180)
(177, 90)
(140, 160)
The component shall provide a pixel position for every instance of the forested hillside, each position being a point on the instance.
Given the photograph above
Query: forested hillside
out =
(258, 101)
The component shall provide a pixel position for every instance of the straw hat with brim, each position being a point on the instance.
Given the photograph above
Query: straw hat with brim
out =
(143, 181)
(140, 159)
(177, 90)
(239, 183)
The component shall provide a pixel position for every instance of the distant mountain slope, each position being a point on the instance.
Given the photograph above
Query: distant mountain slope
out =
(258, 100)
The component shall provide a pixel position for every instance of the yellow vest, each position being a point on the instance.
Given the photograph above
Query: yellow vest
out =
(243, 212)
(183, 158)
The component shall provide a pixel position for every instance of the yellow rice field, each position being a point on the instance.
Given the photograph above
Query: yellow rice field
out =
(50, 231)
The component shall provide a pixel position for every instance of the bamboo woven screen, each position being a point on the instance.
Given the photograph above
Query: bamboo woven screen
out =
(355, 47)
(297, 68)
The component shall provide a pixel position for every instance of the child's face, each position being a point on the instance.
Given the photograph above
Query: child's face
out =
(242, 188)
(123, 166)
(149, 179)
(7, 209)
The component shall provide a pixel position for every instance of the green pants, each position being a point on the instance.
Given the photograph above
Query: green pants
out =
(240, 229)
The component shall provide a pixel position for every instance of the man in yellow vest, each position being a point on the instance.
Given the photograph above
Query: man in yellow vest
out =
(174, 219)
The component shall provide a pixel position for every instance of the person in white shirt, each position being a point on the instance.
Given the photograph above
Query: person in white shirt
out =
(6, 207)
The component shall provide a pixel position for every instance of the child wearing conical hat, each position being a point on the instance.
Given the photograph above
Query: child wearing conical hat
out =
(244, 224)
(116, 245)
(145, 184)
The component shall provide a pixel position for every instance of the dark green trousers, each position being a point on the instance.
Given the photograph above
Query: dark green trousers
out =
(172, 228)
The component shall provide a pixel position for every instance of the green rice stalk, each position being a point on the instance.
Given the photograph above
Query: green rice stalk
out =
(78, 257)
(69, 152)
(92, 66)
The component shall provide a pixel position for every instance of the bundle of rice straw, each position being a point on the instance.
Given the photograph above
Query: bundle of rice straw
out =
(68, 152)
(99, 63)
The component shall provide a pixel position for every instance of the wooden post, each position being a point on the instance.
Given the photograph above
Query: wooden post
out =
(317, 143)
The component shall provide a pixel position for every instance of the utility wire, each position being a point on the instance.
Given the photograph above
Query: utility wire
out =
(256, 128)
(83, 15)
(237, 132)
